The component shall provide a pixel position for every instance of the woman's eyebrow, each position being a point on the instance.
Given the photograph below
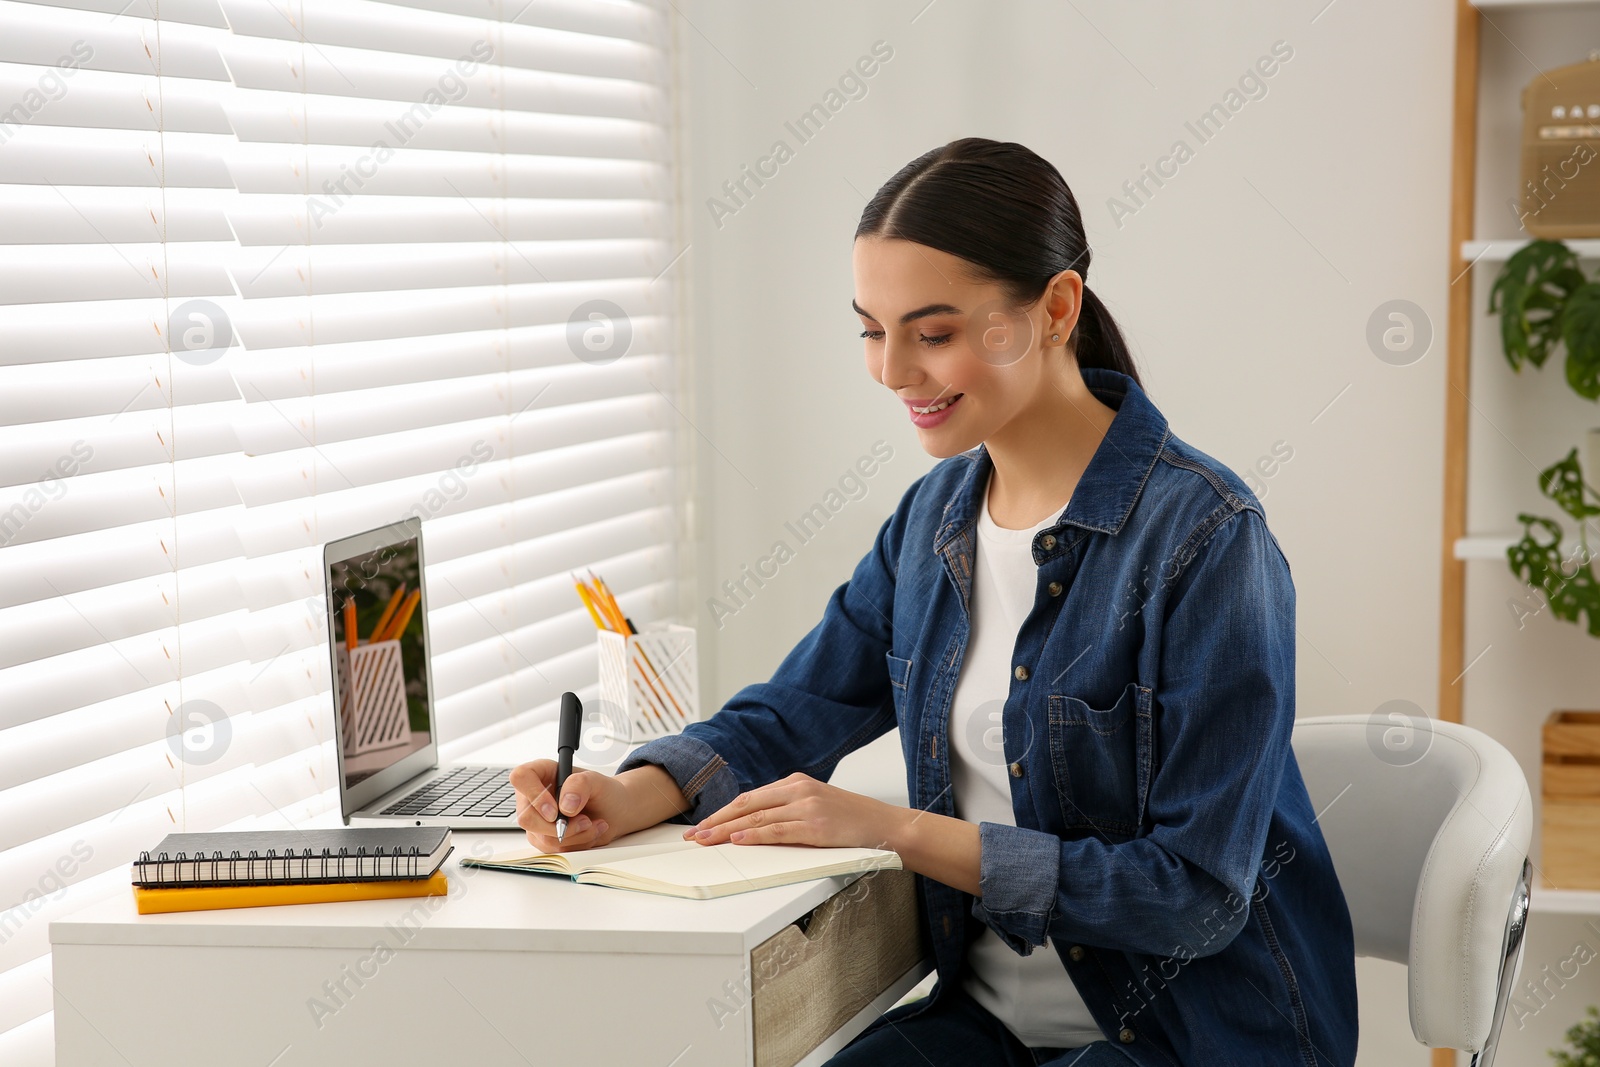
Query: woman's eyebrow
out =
(912, 316)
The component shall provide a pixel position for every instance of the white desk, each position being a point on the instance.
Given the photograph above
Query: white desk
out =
(508, 969)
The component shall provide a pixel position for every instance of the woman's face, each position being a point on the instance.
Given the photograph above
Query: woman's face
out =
(942, 341)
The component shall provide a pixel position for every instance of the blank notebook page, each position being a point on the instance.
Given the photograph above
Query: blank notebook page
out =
(658, 838)
(715, 865)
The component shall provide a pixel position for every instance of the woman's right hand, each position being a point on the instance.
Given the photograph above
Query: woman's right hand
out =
(597, 806)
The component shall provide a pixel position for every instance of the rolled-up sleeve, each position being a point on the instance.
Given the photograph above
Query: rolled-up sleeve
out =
(702, 776)
(829, 696)
(1224, 708)
(1017, 874)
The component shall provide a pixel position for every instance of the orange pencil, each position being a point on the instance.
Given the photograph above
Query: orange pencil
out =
(610, 602)
(588, 602)
(652, 688)
(649, 705)
(607, 608)
(388, 611)
(658, 677)
(398, 625)
(350, 625)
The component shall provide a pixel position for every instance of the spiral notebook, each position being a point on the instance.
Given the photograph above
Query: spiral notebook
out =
(658, 860)
(155, 901)
(271, 857)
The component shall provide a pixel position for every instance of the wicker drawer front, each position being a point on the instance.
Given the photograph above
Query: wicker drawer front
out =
(812, 976)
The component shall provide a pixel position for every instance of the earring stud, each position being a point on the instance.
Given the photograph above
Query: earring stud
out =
(1055, 337)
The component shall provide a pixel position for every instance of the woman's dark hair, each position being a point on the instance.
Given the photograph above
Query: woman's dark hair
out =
(1008, 212)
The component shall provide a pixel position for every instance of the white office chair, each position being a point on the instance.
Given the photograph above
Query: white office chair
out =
(1429, 824)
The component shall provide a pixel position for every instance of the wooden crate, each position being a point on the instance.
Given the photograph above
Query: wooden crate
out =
(1570, 800)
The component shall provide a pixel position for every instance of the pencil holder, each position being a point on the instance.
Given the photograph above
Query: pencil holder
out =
(374, 701)
(650, 680)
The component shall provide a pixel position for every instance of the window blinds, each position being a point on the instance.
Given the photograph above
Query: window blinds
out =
(273, 272)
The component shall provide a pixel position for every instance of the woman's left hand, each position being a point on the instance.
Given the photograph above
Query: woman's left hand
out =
(799, 810)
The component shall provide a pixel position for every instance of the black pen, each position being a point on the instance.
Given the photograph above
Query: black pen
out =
(566, 741)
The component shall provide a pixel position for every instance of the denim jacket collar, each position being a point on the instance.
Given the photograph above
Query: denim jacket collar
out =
(1110, 485)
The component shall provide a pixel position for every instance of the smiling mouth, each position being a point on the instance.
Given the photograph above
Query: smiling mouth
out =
(940, 406)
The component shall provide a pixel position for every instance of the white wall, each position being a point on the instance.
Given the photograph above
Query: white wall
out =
(1245, 286)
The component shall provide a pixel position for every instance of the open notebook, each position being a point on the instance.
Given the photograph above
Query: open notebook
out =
(658, 860)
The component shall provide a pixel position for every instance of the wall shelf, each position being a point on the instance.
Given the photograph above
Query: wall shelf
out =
(1488, 547)
(1500, 251)
(1564, 901)
(1528, 5)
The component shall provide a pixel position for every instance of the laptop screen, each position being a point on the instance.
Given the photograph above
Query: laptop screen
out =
(380, 654)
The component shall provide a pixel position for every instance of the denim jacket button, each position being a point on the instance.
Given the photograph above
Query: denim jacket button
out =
(1055, 588)
(1016, 770)
(1125, 1036)
(1021, 672)
(1047, 542)
(1076, 952)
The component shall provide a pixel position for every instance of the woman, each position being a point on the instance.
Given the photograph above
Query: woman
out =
(1085, 633)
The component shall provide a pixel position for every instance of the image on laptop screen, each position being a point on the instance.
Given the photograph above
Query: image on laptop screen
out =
(382, 683)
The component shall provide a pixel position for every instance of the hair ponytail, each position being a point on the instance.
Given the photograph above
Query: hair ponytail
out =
(1099, 341)
(1008, 212)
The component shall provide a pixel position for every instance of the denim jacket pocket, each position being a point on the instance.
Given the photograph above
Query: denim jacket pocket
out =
(1101, 760)
(899, 682)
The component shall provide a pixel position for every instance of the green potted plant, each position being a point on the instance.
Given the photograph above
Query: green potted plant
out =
(1545, 301)
(1568, 581)
(1583, 1043)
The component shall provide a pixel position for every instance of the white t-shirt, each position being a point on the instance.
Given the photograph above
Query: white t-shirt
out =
(1031, 994)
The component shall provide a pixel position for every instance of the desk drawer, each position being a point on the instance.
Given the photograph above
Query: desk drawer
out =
(812, 976)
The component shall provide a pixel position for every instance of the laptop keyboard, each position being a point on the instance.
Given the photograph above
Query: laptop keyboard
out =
(474, 792)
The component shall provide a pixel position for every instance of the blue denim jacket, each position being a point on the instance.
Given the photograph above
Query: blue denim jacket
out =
(1164, 839)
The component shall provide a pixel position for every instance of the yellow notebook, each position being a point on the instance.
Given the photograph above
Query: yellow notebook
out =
(210, 898)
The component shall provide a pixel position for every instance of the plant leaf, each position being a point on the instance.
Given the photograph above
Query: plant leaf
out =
(1534, 561)
(1529, 293)
(1563, 483)
(1540, 565)
(1580, 331)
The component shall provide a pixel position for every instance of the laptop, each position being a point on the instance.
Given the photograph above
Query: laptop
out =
(383, 716)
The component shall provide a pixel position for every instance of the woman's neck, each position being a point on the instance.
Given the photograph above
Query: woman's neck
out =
(1040, 455)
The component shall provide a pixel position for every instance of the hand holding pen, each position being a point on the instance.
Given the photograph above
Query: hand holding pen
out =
(563, 809)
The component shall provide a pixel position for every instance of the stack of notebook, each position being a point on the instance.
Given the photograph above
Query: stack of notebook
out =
(257, 868)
